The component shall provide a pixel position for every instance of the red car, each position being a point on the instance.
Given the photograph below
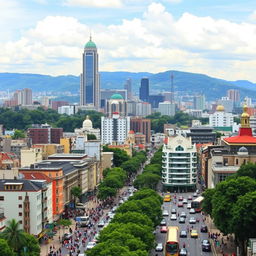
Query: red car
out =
(163, 229)
(180, 204)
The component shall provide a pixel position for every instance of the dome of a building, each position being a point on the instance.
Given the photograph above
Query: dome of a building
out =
(116, 97)
(220, 108)
(87, 123)
(90, 44)
(243, 150)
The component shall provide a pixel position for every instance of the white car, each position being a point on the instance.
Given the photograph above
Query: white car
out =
(159, 247)
(189, 206)
(90, 245)
(101, 224)
(173, 217)
(185, 201)
(192, 220)
(192, 211)
(165, 213)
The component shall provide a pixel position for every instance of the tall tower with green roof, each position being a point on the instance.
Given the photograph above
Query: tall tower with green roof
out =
(89, 82)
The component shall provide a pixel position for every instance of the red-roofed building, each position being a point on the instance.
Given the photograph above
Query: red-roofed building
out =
(225, 159)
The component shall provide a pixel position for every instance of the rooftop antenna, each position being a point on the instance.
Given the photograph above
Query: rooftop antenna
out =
(172, 89)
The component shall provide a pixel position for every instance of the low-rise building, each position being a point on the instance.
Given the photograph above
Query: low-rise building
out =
(30, 156)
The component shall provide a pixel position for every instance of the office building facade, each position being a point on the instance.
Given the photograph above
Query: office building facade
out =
(141, 125)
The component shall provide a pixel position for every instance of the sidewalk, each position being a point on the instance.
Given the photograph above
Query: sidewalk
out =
(223, 245)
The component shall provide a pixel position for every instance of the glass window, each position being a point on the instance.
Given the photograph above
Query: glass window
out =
(179, 148)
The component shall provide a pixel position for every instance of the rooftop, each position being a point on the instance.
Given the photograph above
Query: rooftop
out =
(27, 185)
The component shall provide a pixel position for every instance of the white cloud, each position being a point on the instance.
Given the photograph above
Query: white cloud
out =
(96, 3)
(154, 42)
(252, 17)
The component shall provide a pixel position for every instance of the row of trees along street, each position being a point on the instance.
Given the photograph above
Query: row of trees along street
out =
(130, 233)
(232, 205)
(15, 242)
(125, 167)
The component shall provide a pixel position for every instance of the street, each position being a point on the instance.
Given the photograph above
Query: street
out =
(193, 245)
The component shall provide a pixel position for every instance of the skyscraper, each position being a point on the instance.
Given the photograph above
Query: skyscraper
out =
(128, 87)
(144, 89)
(89, 83)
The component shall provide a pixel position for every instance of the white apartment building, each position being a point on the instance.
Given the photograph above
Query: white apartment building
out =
(221, 118)
(179, 164)
(28, 202)
(114, 129)
(68, 110)
(167, 108)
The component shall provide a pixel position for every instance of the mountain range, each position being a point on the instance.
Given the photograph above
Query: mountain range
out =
(184, 82)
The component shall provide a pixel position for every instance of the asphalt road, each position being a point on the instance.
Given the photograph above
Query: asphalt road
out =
(193, 245)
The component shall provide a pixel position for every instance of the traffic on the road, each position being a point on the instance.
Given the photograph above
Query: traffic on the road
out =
(182, 230)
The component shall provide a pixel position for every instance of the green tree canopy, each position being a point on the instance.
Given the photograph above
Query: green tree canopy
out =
(31, 246)
(120, 156)
(248, 169)
(76, 192)
(14, 235)
(5, 249)
(18, 134)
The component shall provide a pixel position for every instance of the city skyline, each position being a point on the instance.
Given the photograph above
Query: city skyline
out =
(216, 39)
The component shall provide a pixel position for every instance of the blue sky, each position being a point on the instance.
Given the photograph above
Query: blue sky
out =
(217, 37)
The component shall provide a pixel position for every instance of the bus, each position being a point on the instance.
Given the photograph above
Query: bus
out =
(167, 198)
(172, 242)
(197, 204)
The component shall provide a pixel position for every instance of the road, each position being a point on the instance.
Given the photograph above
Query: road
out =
(193, 245)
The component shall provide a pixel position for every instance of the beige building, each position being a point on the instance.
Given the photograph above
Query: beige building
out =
(49, 149)
(106, 160)
(30, 156)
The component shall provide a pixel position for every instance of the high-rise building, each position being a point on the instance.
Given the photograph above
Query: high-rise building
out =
(116, 104)
(23, 97)
(154, 100)
(234, 95)
(144, 89)
(227, 103)
(221, 118)
(199, 102)
(141, 125)
(128, 87)
(114, 129)
(106, 94)
(89, 83)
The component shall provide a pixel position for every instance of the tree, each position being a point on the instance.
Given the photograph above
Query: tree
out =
(14, 235)
(64, 223)
(120, 156)
(5, 248)
(18, 134)
(248, 169)
(244, 219)
(225, 197)
(76, 192)
(207, 202)
(104, 192)
(132, 217)
(147, 180)
(31, 246)
(91, 137)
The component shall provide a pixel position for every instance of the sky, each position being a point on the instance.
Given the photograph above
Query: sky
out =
(213, 37)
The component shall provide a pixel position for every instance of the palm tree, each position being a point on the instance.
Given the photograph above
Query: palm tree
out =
(14, 235)
(76, 192)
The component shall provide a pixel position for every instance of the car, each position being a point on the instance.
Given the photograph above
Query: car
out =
(180, 198)
(125, 198)
(183, 252)
(165, 213)
(163, 229)
(96, 237)
(185, 201)
(180, 204)
(189, 197)
(192, 220)
(193, 233)
(206, 246)
(111, 215)
(173, 211)
(67, 236)
(192, 211)
(101, 224)
(121, 201)
(197, 191)
(159, 247)
(195, 195)
(183, 233)
(183, 214)
(114, 209)
(204, 229)
(182, 220)
(173, 217)
(163, 222)
(189, 206)
(90, 245)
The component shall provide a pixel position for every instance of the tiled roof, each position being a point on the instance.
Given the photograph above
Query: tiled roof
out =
(28, 185)
(244, 137)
